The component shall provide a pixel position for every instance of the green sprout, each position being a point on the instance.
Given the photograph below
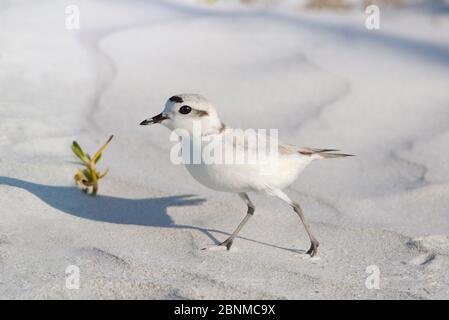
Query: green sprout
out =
(88, 178)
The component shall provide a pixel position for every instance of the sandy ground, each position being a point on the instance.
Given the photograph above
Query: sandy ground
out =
(320, 77)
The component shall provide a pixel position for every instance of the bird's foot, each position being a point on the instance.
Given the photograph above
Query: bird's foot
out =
(313, 248)
(227, 243)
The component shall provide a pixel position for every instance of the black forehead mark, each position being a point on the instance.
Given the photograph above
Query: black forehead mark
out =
(176, 99)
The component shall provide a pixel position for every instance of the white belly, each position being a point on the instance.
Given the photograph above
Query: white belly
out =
(230, 178)
(249, 177)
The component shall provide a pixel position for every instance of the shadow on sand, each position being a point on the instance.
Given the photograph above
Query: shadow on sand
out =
(150, 212)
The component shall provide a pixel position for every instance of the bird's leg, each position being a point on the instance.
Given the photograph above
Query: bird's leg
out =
(297, 208)
(313, 242)
(228, 242)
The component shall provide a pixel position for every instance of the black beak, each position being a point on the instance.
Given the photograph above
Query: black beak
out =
(157, 119)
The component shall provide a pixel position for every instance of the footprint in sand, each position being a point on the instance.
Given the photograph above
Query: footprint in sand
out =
(438, 244)
(434, 250)
(100, 257)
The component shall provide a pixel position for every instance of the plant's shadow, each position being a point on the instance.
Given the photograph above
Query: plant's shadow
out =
(150, 212)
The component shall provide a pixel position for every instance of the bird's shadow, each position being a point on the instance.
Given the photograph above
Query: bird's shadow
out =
(150, 212)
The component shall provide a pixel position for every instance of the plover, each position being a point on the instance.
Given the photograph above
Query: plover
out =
(188, 112)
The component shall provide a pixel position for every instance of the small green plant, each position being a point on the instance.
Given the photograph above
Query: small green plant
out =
(88, 178)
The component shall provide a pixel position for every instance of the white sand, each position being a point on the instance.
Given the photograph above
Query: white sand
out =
(322, 78)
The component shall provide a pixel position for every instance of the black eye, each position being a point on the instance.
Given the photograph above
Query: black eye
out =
(185, 109)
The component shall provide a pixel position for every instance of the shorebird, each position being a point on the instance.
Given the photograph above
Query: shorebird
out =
(196, 116)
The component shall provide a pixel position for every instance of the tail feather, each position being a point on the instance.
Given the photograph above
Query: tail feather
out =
(323, 153)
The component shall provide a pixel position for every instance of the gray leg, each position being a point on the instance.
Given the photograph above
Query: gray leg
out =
(313, 242)
(297, 208)
(228, 242)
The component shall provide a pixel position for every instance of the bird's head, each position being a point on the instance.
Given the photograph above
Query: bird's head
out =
(186, 111)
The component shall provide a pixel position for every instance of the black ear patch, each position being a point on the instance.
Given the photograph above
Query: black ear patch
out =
(176, 99)
(202, 113)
